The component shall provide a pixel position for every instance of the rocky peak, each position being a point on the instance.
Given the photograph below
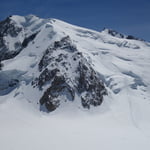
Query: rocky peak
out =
(68, 73)
(119, 35)
(8, 26)
(13, 38)
(113, 33)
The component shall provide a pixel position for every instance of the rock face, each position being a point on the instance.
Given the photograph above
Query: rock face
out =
(119, 35)
(89, 86)
(69, 74)
(8, 28)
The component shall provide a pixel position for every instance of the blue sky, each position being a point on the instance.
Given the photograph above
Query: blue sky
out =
(127, 16)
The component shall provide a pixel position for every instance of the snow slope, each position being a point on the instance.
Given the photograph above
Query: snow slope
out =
(122, 121)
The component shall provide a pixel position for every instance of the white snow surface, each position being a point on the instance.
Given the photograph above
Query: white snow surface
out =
(122, 122)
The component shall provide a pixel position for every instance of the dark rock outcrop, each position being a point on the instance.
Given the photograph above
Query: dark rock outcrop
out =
(51, 97)
(117, 34)
(68, 73)
(90, 86)
(28, 39)
(8, 27)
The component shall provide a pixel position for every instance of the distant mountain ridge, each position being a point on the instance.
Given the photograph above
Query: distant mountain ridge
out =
(120, 35)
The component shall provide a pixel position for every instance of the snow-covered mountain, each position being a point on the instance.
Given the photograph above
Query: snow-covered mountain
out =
(47, 65)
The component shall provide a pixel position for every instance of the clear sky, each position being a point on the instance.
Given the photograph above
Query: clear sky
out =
(126, 16)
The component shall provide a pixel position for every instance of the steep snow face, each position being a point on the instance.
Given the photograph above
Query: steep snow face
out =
(58, 65)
